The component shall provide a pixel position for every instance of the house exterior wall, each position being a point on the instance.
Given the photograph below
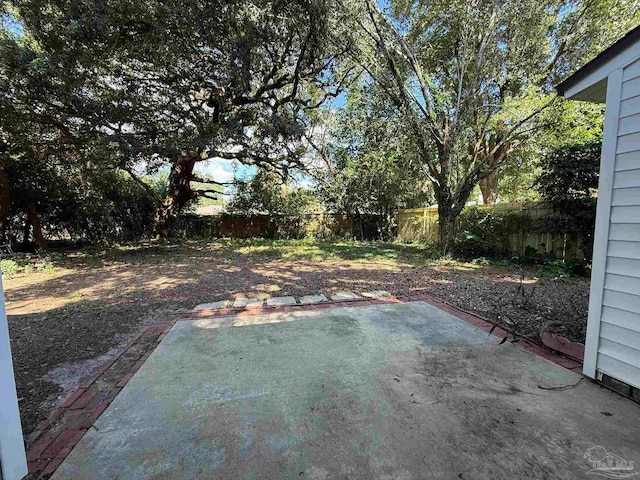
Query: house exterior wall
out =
(13, 462)
(613, 332)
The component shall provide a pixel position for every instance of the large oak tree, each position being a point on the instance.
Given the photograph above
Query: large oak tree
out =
(470, 79)
(170, 83)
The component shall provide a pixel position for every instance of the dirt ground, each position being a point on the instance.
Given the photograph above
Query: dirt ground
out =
(68, 312)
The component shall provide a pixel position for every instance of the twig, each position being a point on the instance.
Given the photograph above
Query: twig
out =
(562, 387)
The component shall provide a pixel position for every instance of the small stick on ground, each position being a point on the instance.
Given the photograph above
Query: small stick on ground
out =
(563, 387)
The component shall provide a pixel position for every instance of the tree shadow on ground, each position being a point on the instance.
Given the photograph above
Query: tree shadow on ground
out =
(82, 311)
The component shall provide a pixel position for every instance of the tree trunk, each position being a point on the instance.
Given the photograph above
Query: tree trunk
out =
(446, 226)
(5, 204)
(449, 208)
(179, 194)
(26, 233)
(489, 188)
(34, 220)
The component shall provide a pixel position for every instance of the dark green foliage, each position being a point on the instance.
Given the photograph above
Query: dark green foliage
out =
(166, 84)
(79, 204)
(267, 194)
(121, 210)
(372, 172)
(372, 189)
(472, 81)
(487, 232)
(569, 183)
(562, 268)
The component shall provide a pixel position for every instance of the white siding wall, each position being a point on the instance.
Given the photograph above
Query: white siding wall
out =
(618, 349)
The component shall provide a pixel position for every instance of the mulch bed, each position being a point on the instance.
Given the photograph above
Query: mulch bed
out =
(42, 341)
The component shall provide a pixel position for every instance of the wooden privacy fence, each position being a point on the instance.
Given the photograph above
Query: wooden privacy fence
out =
(248, 226)
(421, 225)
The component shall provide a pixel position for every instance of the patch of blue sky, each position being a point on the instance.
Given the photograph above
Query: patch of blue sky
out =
(223, 170)
(9, 23)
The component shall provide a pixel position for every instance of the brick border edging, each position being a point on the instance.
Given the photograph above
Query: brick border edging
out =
(541, 350)
(55, 437)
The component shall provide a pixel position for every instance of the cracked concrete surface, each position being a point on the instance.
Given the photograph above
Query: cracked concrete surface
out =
(395, 391)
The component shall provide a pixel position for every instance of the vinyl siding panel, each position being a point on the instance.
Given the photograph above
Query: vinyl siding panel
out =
(627, 178)
(629, 232)
(621, 301)
(628, 161)
(629, 142)
(625, 196)
(624, 372)
(625, 214)
(630, 88)
(629, 124)
(621, 318)
(623, 266)
(630, 106)
(623, 336)
(631, 71)
(620, 249)
(619, 352)
(622, 283)
(618, 342)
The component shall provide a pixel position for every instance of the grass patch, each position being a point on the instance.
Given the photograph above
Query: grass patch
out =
(310, 249)
(305, 249)
(26, 264)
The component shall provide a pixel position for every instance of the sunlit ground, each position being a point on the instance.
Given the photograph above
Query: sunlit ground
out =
(202, 270)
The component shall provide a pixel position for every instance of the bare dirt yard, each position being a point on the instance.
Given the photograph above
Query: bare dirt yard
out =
(70, 311)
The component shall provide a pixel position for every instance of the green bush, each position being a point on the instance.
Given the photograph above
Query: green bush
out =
(569, 183)
(10, 267)
(267, 194)
(78, 203)
(486, 233)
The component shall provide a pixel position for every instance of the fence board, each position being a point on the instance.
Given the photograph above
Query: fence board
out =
(421, 225)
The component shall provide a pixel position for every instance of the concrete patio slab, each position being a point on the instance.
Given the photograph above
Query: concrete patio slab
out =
(277, 301)
(393, 391)
(212, 306)
(313, 299)
(344, 296)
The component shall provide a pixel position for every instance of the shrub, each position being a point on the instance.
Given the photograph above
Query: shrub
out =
(267, 194)
(10, 267)
(569, 183)
(490, 233)
(486, 233)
